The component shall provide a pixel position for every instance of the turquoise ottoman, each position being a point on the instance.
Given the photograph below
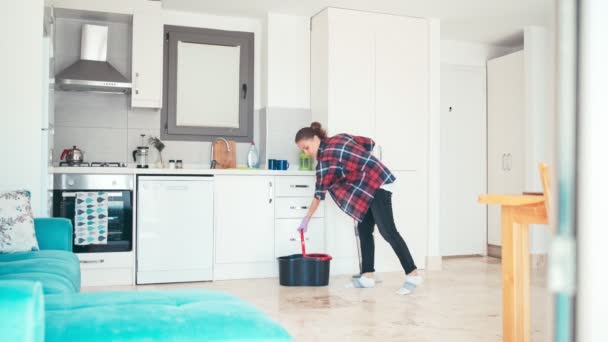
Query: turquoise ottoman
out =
(185, 315)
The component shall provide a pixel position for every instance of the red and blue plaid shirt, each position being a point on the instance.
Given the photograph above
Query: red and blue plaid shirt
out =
(348, 170)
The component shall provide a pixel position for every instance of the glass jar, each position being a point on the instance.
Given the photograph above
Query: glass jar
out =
(172, 164)
(179, 164)
(305, 162)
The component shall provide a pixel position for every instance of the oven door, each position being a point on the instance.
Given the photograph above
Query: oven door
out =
(120, 219)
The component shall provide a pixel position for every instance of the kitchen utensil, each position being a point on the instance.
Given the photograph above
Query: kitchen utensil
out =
(272, 164)
(141, 156)
(72, 155)
(225, 156)
(305, 162)
(282, 165)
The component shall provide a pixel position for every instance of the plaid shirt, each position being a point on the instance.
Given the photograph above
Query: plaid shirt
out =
(348, 170)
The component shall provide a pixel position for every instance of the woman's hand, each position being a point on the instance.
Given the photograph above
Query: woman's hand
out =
(303, 227)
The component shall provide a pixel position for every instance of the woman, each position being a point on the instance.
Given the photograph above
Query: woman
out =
(358, 182)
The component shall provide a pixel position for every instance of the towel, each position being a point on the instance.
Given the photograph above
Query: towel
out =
(91, 218)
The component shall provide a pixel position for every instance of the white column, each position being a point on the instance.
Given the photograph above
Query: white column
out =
(433, 252)
(592, 225)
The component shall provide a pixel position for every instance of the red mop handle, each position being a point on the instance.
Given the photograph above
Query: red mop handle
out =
(303, 243)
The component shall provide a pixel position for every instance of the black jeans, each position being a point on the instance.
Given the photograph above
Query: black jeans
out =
(381, 213)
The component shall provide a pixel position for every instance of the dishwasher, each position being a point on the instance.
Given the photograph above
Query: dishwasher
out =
(174, 229)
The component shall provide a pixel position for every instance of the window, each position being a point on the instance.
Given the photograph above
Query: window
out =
(207, 85)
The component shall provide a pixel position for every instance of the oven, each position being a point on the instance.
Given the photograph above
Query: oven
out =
(107, 212)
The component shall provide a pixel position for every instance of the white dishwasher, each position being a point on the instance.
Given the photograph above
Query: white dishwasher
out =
(174, 229)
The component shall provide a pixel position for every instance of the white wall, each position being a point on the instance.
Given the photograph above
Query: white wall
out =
(538, 63)
(288, 61)
(471, 54)
(21, 97)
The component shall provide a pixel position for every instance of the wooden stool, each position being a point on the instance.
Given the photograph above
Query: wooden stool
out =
(517, 213)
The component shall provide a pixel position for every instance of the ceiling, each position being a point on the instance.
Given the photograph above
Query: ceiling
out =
(485, 21)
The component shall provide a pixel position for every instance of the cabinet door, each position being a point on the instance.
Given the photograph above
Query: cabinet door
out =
(244, 219)
(409, 210)
(402, 90)
(506, 108)
(351, 73)
(147, 57)
(287, 238)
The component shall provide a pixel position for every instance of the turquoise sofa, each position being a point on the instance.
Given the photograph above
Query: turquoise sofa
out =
(54, 265)
(43, 303)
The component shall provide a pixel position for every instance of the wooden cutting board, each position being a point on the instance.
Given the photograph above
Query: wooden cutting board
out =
(225, 159)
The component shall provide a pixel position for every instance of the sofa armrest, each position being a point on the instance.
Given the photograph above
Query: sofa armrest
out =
(21, 311)
(54, 233)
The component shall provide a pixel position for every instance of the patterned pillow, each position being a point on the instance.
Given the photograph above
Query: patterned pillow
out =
(17, 232)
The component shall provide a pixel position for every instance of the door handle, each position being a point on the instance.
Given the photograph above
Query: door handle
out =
(244, 87)
(504, 156)
(100, 261)
(509, 161)
(136, 85)
(300, 207)
(300, 186)
(270, 194)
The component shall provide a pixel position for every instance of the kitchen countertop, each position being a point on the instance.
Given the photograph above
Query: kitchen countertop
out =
(184, 171)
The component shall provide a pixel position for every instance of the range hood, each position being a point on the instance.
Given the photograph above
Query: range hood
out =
(93, 72)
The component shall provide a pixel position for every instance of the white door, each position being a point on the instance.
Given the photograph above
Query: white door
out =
(506, 113)
(351, 73)
(401, 90)
(147, 59)
(174, 229)
(463, 222)
(244, 218)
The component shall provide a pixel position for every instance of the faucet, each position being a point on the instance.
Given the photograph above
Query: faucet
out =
(213, 161)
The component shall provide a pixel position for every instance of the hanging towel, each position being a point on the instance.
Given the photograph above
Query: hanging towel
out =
(91, 218)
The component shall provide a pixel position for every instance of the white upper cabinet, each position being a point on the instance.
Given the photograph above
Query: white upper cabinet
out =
(147, 77)
(244, 219)
(370, 76)
(401, 95)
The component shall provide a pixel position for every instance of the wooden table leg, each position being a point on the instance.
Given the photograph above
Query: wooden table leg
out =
(515, 278)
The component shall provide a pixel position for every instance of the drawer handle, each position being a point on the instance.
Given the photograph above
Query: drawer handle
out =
(296, 207)
(304, 186)
(294, 239)
(100, 261)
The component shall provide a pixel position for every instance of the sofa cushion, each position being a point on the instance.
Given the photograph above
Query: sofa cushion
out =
(186, 315)
(16, 223)
(58, 271)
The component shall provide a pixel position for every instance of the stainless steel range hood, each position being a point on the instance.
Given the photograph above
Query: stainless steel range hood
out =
(93, 72)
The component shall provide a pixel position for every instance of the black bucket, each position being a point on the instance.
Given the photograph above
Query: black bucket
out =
(312, 270)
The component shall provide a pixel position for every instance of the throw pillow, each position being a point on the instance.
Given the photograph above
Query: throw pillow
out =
(17, 232)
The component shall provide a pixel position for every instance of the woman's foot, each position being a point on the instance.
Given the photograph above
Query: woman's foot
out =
(366, 280)
(412, 281)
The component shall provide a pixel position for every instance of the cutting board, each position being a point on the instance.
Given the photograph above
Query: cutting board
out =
(225, 159)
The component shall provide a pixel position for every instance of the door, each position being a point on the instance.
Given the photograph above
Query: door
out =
(401, 65)
(244, 218)
(147, 59)
(506, 112)
(175, 229)
(463, 222)
(351, 73)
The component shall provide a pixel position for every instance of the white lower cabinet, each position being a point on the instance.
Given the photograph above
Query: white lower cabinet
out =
(106, 269)
(287, 239)
(244, 227)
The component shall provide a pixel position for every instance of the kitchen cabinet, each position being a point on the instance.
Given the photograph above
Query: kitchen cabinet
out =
(147, 57)
(175, 229)
(287, 238)
(370, 75)
(244, 219)
(506, 133)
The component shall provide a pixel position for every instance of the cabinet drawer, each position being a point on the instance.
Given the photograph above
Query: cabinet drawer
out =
(106, 260)
(287, 238)
(294, 186)
(107, 277)
(295, 207)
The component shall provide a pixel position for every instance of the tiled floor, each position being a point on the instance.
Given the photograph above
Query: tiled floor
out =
(459, 303)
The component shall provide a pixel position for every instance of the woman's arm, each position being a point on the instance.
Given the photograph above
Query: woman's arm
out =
(313, 207)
